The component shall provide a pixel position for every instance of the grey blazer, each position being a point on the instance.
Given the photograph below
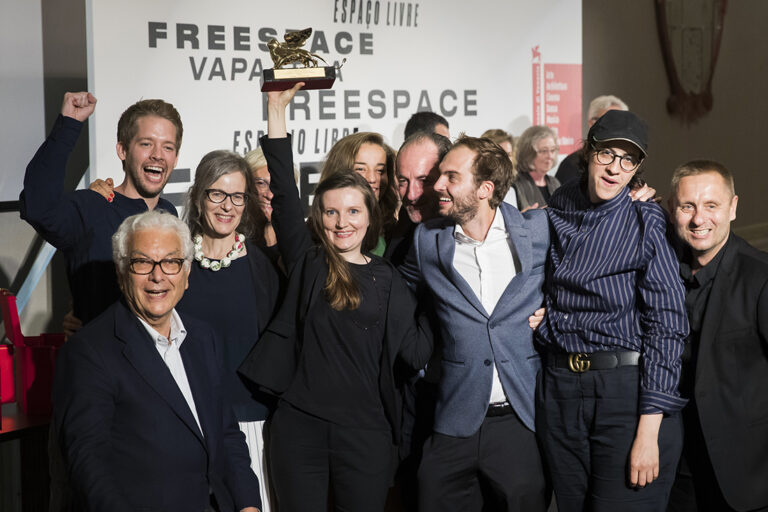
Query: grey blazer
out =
(471, 338)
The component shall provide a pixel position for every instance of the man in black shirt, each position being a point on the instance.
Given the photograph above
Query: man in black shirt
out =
(725, 364)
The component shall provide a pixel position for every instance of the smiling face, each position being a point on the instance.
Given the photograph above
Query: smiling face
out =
(221, 219)
(455, 188)
(371, 163)
(416, 175)
(152, 297)
(261, 180)
(345, 220)
(149, 158)
(604, 182)
(702, 209)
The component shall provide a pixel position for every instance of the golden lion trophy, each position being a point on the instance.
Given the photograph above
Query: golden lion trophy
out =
(288, 52)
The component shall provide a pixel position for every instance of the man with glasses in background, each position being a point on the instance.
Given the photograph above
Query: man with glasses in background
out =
(607, 403)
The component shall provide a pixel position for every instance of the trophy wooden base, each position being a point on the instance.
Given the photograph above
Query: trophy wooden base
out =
(321, 77)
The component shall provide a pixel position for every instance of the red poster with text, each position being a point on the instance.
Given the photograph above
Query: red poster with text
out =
(562, 104)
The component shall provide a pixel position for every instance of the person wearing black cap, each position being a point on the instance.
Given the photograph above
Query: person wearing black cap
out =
(607, 403)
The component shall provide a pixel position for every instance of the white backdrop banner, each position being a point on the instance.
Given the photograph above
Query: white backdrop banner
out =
(468, 61)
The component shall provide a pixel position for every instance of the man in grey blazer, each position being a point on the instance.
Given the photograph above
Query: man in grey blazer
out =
(483, 264)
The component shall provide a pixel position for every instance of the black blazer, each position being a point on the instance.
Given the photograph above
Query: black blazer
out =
(273, 361)
(129, 439)
(731, 382)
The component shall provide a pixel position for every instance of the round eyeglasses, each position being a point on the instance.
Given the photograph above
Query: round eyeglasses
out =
(217, 196)
(628, 163)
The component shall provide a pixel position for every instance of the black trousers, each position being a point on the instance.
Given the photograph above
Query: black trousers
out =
(310, 457)
(696, 487)
(502, 457)
(587, 423)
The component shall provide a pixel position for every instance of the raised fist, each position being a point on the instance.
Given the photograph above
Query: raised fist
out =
(78, 105)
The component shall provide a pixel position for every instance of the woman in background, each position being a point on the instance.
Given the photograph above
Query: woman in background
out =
(367, 154)
(537, 151)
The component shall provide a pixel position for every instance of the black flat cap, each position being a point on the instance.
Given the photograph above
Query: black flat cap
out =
(620, 125)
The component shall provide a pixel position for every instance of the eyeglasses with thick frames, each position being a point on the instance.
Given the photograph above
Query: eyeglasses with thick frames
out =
(628, 163)
(219, 196)
(144, 266)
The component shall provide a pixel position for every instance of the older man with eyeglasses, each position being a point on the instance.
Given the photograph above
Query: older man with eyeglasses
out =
(607, 405)
(137, 401)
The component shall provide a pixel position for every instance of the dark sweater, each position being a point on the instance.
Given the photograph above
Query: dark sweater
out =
(238, 302)
(80, 224)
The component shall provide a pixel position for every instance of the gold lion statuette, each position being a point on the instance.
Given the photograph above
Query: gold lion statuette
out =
(290, 51)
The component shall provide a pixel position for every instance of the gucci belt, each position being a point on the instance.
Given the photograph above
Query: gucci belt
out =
(579, 362)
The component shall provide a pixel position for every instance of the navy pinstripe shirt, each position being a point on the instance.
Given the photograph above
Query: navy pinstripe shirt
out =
(613, 283)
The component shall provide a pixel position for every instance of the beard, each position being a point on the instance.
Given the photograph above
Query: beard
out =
(464, 209)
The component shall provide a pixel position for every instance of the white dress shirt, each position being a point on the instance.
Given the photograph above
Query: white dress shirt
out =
(487, 266)
(169, 351)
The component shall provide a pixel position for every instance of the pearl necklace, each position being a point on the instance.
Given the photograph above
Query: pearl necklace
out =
(216, 265)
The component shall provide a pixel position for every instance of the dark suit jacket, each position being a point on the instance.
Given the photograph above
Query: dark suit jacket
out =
(400, 240)
(731, 386)
(129, 439)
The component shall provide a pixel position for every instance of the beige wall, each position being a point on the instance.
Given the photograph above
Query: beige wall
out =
(622, 56)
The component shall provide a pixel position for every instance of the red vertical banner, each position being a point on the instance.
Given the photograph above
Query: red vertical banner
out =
(562, 104)
(536, 71)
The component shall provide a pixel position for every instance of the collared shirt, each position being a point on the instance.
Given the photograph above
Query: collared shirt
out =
(697, 289)
(169, 350)
(613, 283)
(487, 266)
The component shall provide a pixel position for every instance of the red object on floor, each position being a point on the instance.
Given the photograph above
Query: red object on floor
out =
(35, 356)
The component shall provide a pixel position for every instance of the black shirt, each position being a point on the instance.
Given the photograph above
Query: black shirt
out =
(697, 288)
(239, 310)
(337, 378)
(544, 192)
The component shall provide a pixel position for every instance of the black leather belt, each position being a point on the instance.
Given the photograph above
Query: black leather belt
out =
(603, 360)
(499, 409)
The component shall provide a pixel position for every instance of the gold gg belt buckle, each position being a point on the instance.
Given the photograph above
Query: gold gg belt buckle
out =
(578, 363)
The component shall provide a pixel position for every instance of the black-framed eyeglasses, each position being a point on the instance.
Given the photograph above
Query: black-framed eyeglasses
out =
(144, 266)
(217, 196)
(628, 163)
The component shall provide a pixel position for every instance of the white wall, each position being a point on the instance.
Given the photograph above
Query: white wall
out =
(21, 90)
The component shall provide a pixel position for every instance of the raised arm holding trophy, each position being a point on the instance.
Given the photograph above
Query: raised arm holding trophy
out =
(290, 51)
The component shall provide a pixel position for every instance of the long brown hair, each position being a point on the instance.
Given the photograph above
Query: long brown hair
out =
(340, 288)
(342, 157)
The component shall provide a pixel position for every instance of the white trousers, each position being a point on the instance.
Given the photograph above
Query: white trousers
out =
(254, 437)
